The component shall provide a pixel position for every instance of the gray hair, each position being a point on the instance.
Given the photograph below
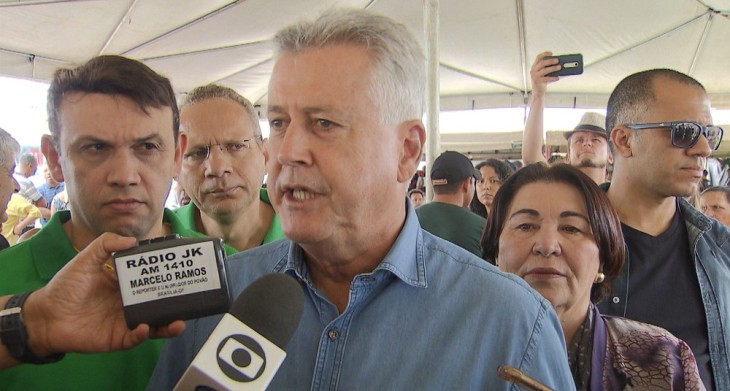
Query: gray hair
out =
(28, 159)
(9, 147)
(211, 91)
(399, 76)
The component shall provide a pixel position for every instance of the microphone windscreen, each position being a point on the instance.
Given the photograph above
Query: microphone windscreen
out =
(272, 306)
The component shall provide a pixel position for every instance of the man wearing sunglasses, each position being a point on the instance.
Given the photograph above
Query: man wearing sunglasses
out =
(677, 276)
(223, 169)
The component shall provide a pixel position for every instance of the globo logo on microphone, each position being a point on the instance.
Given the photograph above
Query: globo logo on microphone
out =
(241, 358)
(238, 357)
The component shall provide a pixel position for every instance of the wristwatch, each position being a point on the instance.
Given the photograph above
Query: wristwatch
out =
(14, 335)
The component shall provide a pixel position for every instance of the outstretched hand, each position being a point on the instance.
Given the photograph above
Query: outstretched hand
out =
(80, 310)
(540, 68)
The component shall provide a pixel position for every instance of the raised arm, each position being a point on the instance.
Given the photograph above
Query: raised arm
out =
(533, 138)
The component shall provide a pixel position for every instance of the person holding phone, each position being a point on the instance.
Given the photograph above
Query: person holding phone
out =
(588, 148)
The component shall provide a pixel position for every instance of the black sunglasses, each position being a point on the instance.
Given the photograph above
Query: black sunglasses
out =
(685, 134)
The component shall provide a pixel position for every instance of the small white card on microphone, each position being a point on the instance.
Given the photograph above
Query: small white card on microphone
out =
(162, 273)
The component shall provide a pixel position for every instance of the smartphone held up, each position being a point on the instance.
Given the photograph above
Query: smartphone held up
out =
(570, 64)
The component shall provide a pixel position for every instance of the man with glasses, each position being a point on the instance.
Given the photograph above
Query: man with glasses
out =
(716, 203)
(678, 273)
(223, 169)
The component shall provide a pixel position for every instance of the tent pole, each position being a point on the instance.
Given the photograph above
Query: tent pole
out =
(431, 24)
(701, 43)
(119, 26)
(523, 43)
(183, 27)
(479, 77)
(644, 42)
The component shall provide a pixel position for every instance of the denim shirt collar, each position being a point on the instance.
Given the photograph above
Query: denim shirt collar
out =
(405, 260)
(693, 216)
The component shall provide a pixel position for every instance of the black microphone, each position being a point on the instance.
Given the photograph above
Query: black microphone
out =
(245, 349)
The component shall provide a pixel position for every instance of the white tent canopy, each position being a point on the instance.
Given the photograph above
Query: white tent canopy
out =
(486, 47)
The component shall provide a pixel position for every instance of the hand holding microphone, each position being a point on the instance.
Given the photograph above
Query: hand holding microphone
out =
(80, 310)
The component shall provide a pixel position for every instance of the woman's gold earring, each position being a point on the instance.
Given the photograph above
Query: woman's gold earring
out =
(600, 277)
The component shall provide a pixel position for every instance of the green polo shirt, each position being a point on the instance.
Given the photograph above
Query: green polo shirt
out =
(187, 214)
(456, 224)
(29, 266)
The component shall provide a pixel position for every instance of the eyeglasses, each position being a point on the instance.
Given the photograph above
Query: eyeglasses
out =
(235, 149)
(685, 134)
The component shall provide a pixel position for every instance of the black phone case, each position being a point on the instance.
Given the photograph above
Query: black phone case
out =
(572, 64)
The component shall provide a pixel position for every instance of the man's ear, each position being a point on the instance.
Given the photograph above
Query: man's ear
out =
(182, 144)
(48, 147)
(467, 184)
(621, 139)
(410, 155)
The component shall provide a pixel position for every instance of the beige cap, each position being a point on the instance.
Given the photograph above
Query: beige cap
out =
(590, 122)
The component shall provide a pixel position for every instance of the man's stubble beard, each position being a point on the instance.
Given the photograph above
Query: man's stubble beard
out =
(588, 163)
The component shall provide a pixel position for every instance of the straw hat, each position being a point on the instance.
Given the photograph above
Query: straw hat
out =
(590, 122)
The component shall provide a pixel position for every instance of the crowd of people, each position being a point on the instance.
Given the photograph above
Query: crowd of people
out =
(576, 281)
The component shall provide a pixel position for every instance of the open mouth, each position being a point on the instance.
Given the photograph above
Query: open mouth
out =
(301, 195)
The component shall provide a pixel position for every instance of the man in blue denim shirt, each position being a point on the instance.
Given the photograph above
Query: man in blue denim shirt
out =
(387, 305)
(678, 273)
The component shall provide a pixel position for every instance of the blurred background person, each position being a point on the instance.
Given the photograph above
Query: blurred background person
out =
(60, 202)
(715, 203)
(494, 173)
(48, 190)
(181, 197)
(569, 248)
(417, 197)
(21, 214)
(9, 149)
(447, 216)
(27, 167)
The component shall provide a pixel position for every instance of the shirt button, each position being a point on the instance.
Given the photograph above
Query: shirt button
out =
(333, 334)
(616, 300)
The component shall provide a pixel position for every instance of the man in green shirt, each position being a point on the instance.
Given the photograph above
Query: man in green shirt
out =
(448, 216)
(223, 169)
(114, 141)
